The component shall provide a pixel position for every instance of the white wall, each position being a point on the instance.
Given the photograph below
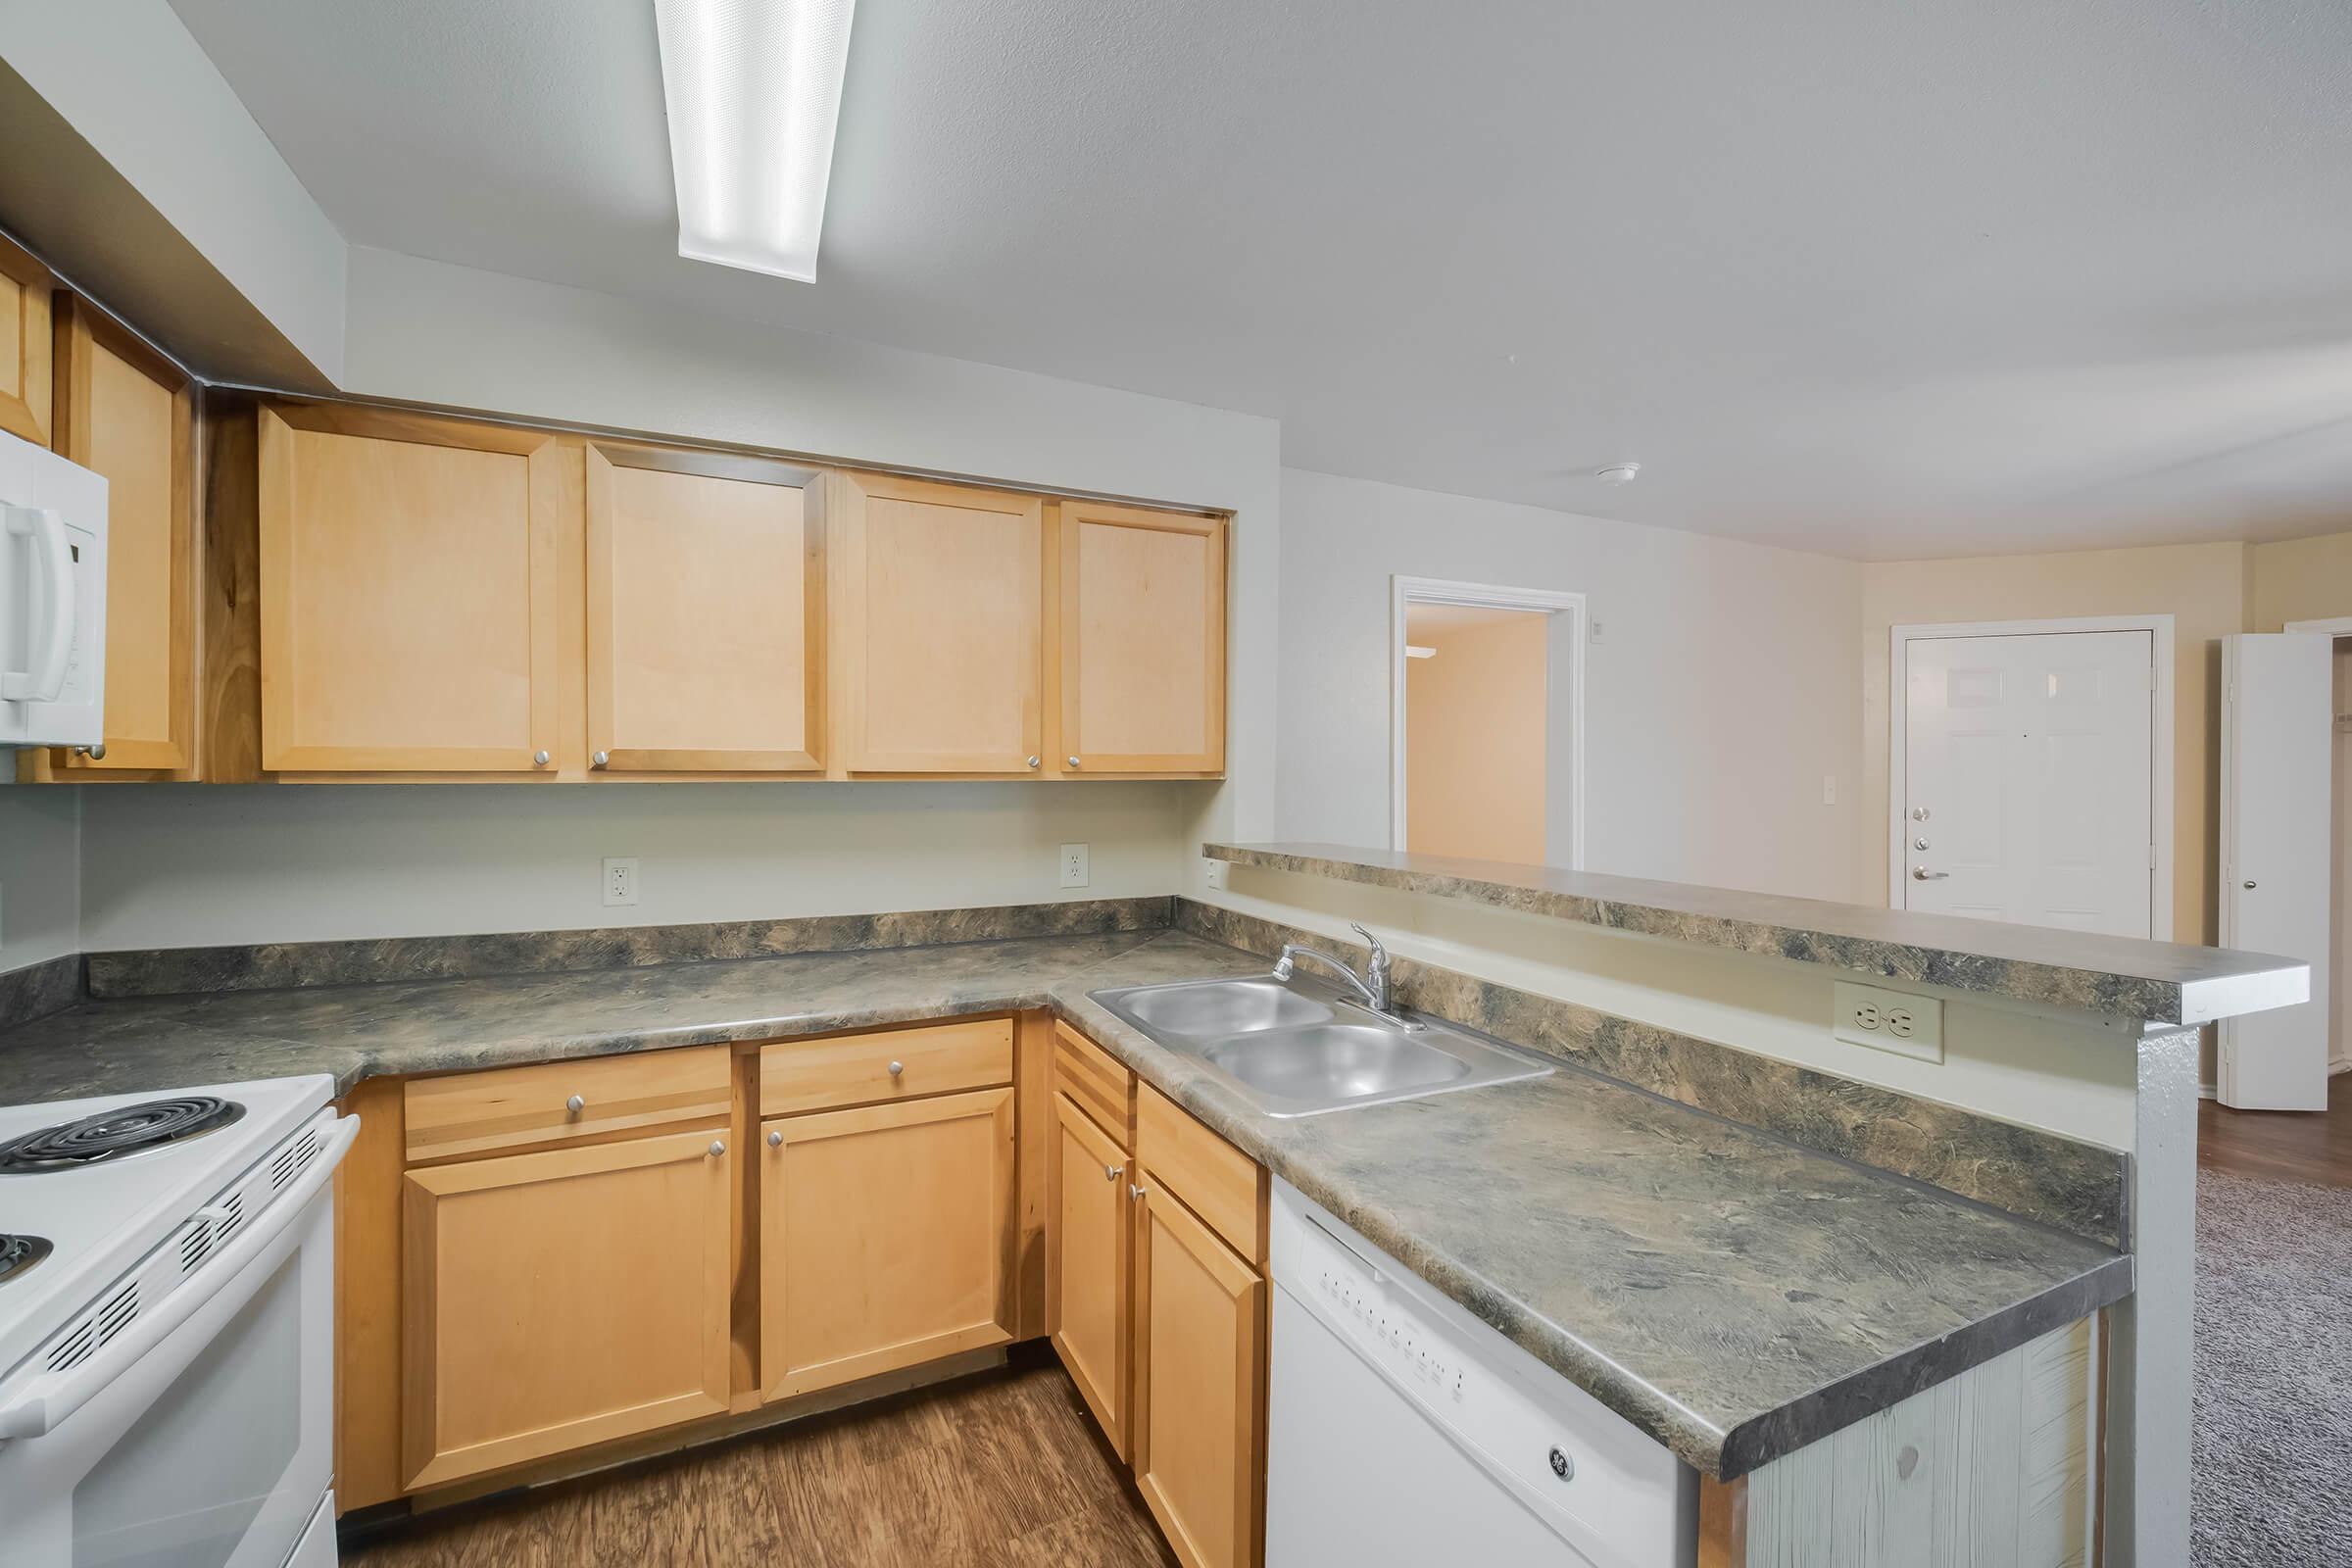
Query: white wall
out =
(40, 899)
(183, 867)
(1723, 689)
(186, 868)
(131, 79)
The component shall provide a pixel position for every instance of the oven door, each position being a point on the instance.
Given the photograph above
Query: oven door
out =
(212, 1449)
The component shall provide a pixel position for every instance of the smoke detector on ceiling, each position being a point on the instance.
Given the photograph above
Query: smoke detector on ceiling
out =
(1618, 473)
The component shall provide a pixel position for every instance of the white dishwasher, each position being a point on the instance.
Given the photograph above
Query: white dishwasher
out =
(1403, 1431)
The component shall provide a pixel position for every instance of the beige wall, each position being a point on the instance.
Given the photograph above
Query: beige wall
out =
(1475, 739)
(2301, 579)
(2204, 588)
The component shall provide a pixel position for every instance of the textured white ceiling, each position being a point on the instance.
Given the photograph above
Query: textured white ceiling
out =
(1878, 279)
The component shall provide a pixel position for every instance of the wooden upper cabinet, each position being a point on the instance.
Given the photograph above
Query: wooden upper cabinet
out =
(412, 578)
(706, 613)
(1142, 640)
(942, 636)
(127, 413)
(25, 287)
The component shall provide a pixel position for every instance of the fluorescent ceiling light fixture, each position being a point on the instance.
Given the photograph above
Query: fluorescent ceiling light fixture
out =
(754, 88)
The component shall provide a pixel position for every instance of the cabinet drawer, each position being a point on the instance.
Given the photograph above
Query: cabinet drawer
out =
(1101, 1086)
(897, 1065)
(1216, 1180)
(517, 1107)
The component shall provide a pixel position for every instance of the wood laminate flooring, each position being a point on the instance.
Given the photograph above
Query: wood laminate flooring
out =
(1003, 1470)
(2313, 1148)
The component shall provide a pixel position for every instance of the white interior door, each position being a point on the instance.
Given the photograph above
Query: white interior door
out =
(2278, 763)
(2026, 778)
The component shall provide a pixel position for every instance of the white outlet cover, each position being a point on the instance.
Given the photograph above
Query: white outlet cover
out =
(620, 881)
(1216, 875)
(1074, 865)
(1899, 1021)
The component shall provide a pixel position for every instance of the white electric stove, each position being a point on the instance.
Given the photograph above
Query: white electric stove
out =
(166, 1327)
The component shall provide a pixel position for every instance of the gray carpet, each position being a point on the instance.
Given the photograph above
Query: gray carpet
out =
(2274, 1431)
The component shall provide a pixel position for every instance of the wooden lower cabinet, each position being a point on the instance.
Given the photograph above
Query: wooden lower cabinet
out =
(1199, 1385)
(886, 1237)
(1089, 1244)
(554, 1300)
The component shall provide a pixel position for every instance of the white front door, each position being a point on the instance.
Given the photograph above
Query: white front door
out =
(2278, 772)
(2026, 778)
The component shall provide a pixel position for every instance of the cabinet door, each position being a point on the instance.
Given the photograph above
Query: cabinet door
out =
(411, 591)
(1143, 641)
(706, 613)
(25, 286)
(885, 1237)
(1087, 1241)
(559, 1299)
(123, 411)
(1200, 1335)
(942, 631)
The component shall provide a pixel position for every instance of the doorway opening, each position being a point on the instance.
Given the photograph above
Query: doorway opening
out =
(1487, 721)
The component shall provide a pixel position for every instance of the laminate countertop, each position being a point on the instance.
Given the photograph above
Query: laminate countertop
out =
(1732, 1294)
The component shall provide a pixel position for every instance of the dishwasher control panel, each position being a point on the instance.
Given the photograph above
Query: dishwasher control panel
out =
(1603, 1487)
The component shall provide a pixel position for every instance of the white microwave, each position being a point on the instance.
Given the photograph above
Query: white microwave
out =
(52, 598)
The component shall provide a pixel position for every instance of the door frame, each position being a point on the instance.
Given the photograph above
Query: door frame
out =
(1406, 592)
(2160, 737)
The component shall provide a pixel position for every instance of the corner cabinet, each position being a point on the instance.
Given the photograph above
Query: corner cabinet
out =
(414, 577)
(706, 613)
(125, 411)
(1142, 640)
(563, 1298)
(942, 628)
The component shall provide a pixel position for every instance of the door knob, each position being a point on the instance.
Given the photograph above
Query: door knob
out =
(1919, 813)
(1920, 873)
(2249, 887)
(1919, 844)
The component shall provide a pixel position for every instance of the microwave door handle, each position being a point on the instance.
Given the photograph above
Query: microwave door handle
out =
(50, 1399)
(47, 676)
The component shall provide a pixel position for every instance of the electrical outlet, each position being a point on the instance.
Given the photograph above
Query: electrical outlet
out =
(1889, 1021)
(1074, 865)
(621, 880)
(1216, 875)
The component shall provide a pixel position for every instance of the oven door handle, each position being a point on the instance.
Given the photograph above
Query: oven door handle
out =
(50, 1399)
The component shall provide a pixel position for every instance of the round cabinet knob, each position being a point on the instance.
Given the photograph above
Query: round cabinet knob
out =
(775, 1140)
(1033, 761)
(539, 758)
(1919, 813)
(1135, 1191)
(897, 1067)
(719, 1147)
(599, 760)
(95, 753)
(2249, 887)
(1073, 762)
(1111, 1173)
(576, 1104)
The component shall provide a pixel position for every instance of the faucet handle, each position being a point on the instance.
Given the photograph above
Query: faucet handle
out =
(1379, 954)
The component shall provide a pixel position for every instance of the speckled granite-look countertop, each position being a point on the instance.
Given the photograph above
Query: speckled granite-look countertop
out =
(1731, 1293)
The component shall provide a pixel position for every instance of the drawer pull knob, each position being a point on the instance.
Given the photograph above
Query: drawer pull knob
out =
(1073, 762)
(540, 759)
(1135, 1191)
(576, 1104)
(1033, 761)
(897, 1067)
(602, 760)
(775, 1140)
(1111, 1173)
(719, 1147)
(96, 754)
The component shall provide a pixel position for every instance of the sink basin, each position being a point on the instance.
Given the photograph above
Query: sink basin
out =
(1336, 1062)
(1221, 1007)
(1301, 1048)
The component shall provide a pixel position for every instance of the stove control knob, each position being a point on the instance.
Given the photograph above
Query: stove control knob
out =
(1562, 1466)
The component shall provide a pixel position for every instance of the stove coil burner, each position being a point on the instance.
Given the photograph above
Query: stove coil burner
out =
(18, 1254)
(112, 1135)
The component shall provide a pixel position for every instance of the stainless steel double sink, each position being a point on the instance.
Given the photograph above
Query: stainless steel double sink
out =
(1299, 1047)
